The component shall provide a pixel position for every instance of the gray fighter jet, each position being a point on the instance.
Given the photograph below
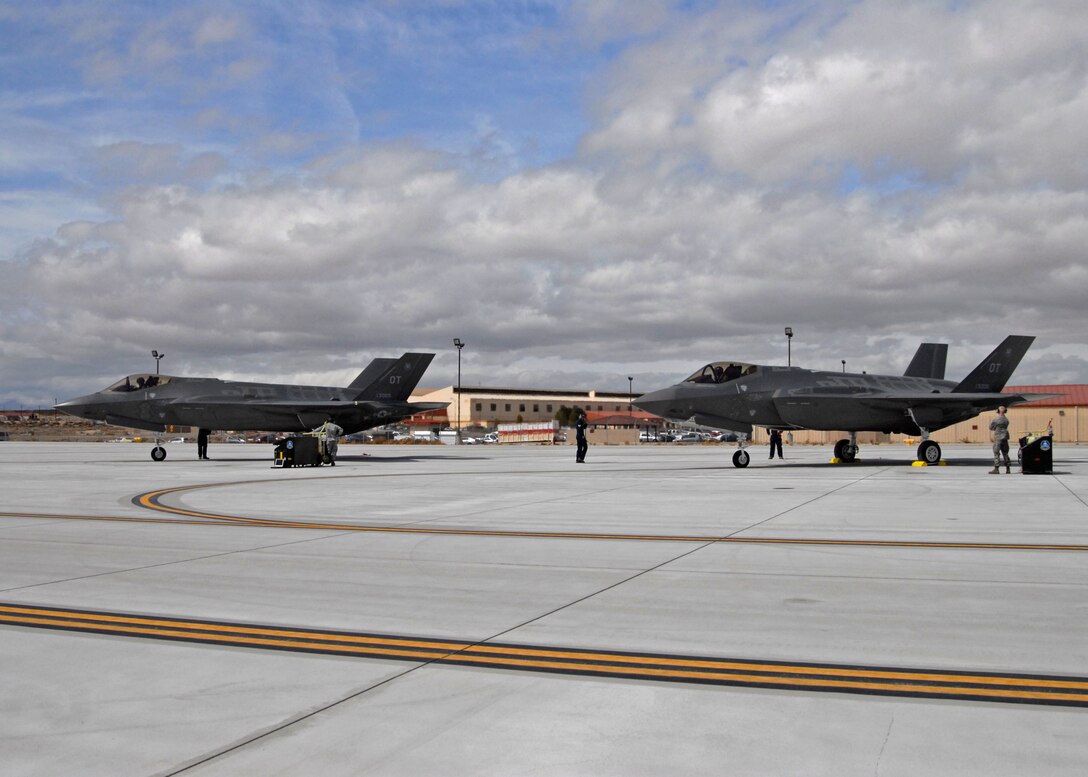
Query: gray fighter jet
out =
(379, 395)
(737, 396)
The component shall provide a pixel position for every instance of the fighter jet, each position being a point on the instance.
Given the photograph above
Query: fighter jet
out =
(379, 395)
(737, 396)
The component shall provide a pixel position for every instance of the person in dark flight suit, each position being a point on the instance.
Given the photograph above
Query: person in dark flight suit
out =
(580, 436)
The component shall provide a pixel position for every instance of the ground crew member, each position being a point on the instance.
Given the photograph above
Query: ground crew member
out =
(332, 439)
(202, 443)
(776, 443)
(580, 436)
(999, 433)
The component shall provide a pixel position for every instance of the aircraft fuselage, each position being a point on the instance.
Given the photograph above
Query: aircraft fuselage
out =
(794, 397)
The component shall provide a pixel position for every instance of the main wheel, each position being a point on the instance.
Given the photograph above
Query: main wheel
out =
(741, 459)
(845, 452)
(158, 453)
(929, 452)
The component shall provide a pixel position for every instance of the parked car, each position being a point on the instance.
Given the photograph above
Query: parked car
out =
(177, 440)
(235, 438)
(490, 438)
(647, 437)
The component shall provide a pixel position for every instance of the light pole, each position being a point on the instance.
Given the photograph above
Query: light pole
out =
(630, 390)
(458, 345)
(157, 357)
(844, 365)
(789, 342)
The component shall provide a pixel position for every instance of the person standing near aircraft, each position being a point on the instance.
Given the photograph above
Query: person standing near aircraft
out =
(999, 433)
(776, 443)
(332, 434)
(580, 436)
(202, 443)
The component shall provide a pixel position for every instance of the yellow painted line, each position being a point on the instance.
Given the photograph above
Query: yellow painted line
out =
(200, 518)
(151, 501)
(1068, 691)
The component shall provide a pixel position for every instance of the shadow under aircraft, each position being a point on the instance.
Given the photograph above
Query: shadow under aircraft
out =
(378, 395)
(736, 396)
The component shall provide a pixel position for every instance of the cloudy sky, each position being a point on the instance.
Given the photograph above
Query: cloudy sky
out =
(582, 191)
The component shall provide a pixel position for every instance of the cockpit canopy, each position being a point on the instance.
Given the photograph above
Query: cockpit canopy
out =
(137, 382)
(721, 372)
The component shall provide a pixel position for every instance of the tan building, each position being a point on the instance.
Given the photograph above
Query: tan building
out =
(488, 406)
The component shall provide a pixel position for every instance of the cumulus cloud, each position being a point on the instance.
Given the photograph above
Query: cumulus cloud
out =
(872, 174)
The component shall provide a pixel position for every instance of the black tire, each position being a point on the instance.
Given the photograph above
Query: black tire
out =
(741, 459)
(845, 452)
(158, 453)
(929, 452)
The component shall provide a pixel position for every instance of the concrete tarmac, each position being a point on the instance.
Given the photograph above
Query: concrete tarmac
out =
(494, 610)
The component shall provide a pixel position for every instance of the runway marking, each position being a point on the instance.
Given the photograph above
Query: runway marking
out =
(832, 678)
(151, 501)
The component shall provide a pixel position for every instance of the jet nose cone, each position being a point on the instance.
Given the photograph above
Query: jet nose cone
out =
(656, 402)
(80, 407)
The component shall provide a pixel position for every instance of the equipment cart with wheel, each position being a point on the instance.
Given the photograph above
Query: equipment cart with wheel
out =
(297, 451)
(1036, 454)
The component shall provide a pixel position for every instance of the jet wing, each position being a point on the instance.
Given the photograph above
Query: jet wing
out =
(946, 399)
(281, 415)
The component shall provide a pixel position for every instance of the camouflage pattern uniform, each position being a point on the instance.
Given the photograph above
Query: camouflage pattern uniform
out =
(999, 426)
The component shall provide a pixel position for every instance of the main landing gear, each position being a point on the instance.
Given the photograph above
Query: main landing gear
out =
(847, 450)
(929, 452)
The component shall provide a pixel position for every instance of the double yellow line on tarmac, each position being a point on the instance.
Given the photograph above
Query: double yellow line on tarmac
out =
(152, 500)
(880, 681)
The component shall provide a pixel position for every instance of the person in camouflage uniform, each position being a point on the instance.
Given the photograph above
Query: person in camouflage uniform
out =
(999, 433)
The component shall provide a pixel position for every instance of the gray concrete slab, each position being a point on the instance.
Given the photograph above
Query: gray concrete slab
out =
(965, 588)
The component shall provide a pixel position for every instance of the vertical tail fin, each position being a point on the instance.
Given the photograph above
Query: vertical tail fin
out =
(993, 372)
(928, 361)
(398, 381)
(371, 373)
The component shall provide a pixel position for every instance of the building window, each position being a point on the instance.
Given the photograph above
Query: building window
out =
(521, 407)
(479, 406)
(536, 408)
(507, 407)
(494, 407)
(549, 408)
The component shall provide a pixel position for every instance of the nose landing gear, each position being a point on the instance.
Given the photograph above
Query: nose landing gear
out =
(158, 453)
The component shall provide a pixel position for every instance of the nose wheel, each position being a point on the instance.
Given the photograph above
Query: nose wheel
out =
(741, 459)
(158, 453)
